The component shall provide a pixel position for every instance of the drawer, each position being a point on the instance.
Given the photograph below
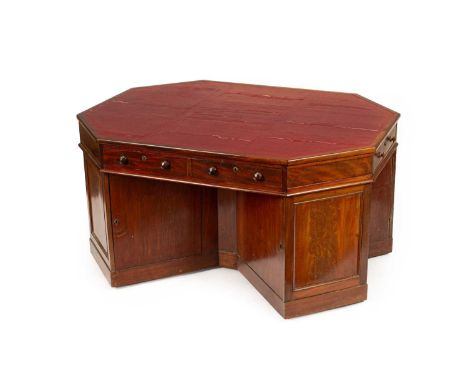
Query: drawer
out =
(238, 174)
(384, 147)
(137, 161)
(328, 171)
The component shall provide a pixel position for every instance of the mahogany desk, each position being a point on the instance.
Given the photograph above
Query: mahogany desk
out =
(292, 187)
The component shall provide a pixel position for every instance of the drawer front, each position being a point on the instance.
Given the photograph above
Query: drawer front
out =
(384, 147)
(310, 174)
(136, 161)
(238, 174)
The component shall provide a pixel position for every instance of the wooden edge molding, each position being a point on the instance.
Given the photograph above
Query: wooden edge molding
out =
(380, 248)
(195, 183)
(307, 305)
(102, 264)
(309, 175)
(331, 286)
(384, 162)
(152, 271)
(262, 287)
(90, 155)
(228, 259)
(332, 156)
(163, 269)
(326, 301)
(296, 179)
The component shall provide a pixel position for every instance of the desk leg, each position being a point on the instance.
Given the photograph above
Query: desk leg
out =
(305, 253)
(381, 216)
(227, 228)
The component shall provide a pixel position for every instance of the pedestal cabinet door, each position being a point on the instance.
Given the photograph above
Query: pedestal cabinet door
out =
(329, 247)
(154, 221)
(327, 233)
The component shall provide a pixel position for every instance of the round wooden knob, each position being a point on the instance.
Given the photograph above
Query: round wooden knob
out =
(123, 159)
(379, 155)
(258, 177)
(165, 165)
(213, 171)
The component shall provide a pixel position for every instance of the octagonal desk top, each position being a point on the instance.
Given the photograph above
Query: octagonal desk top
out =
(264, 123)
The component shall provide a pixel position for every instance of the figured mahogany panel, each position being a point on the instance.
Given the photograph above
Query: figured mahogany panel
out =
(260, 241)
(381, 215)
(327, 171)
(155, 221)
(270, 123)
(96, 205)
(326, 239)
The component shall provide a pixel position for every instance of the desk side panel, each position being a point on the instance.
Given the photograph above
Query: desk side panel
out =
(97, 190)
(260, 236)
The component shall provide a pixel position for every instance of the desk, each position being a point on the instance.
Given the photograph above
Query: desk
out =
(292, 187)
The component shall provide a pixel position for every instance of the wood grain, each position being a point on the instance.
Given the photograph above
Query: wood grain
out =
(381, 215)
(293, 187)
(227, 228)
(238, 174)
(145, 228)
(96, 205)
(260, 237)
(326, 241)
(328, 171)
(327, 235)
(247, 120)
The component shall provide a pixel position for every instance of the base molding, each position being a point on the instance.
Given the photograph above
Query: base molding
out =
(379, 248)
(102, 264)
(154, 271)
(164, 269)
(289, 309)
(325, 301)
(307, 305)
(228, 259)
(262, 287)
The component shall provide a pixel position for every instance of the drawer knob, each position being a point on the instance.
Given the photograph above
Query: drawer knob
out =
(165, 165)
(123, 160)
(380, 155)
(391, 139)
(258, 177)
(213, 171)
(235, 169)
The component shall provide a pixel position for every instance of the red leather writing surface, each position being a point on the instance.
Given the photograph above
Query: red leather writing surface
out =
(238, 119)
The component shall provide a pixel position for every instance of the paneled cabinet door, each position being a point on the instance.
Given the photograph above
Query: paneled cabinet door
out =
(155, 222)
(328, 241)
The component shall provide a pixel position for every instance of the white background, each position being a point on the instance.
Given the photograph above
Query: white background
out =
(61, 321)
